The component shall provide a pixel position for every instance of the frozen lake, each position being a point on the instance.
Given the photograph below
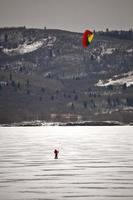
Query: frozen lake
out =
(95, 163)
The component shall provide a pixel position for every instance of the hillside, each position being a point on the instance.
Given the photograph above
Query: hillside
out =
(48, 75)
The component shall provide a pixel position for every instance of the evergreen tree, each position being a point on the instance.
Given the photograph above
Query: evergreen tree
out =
(10, 77)
(85, 104)
(124, 87)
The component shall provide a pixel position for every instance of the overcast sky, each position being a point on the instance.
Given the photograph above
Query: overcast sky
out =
(73, 15)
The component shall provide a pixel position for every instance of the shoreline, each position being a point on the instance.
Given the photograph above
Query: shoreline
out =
(80, 123)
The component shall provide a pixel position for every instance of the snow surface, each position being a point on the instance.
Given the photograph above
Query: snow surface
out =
(125, 78)
(95, 163)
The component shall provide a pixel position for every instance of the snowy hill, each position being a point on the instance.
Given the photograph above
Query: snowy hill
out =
(48, 75)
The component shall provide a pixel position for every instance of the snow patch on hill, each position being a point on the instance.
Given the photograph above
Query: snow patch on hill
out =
(106, 51)
(126, 78)
(24, 48)
(129, 50)
(27, 48)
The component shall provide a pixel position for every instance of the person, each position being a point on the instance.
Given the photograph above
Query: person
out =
(56, 152)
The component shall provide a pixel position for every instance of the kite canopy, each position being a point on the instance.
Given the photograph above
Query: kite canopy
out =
(87, 38)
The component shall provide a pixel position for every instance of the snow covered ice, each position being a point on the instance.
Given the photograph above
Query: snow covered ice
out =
(95, 163)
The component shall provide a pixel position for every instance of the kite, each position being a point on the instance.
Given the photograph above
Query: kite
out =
(87, 38)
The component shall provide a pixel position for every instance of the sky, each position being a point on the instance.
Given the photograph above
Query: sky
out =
(72, 15)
